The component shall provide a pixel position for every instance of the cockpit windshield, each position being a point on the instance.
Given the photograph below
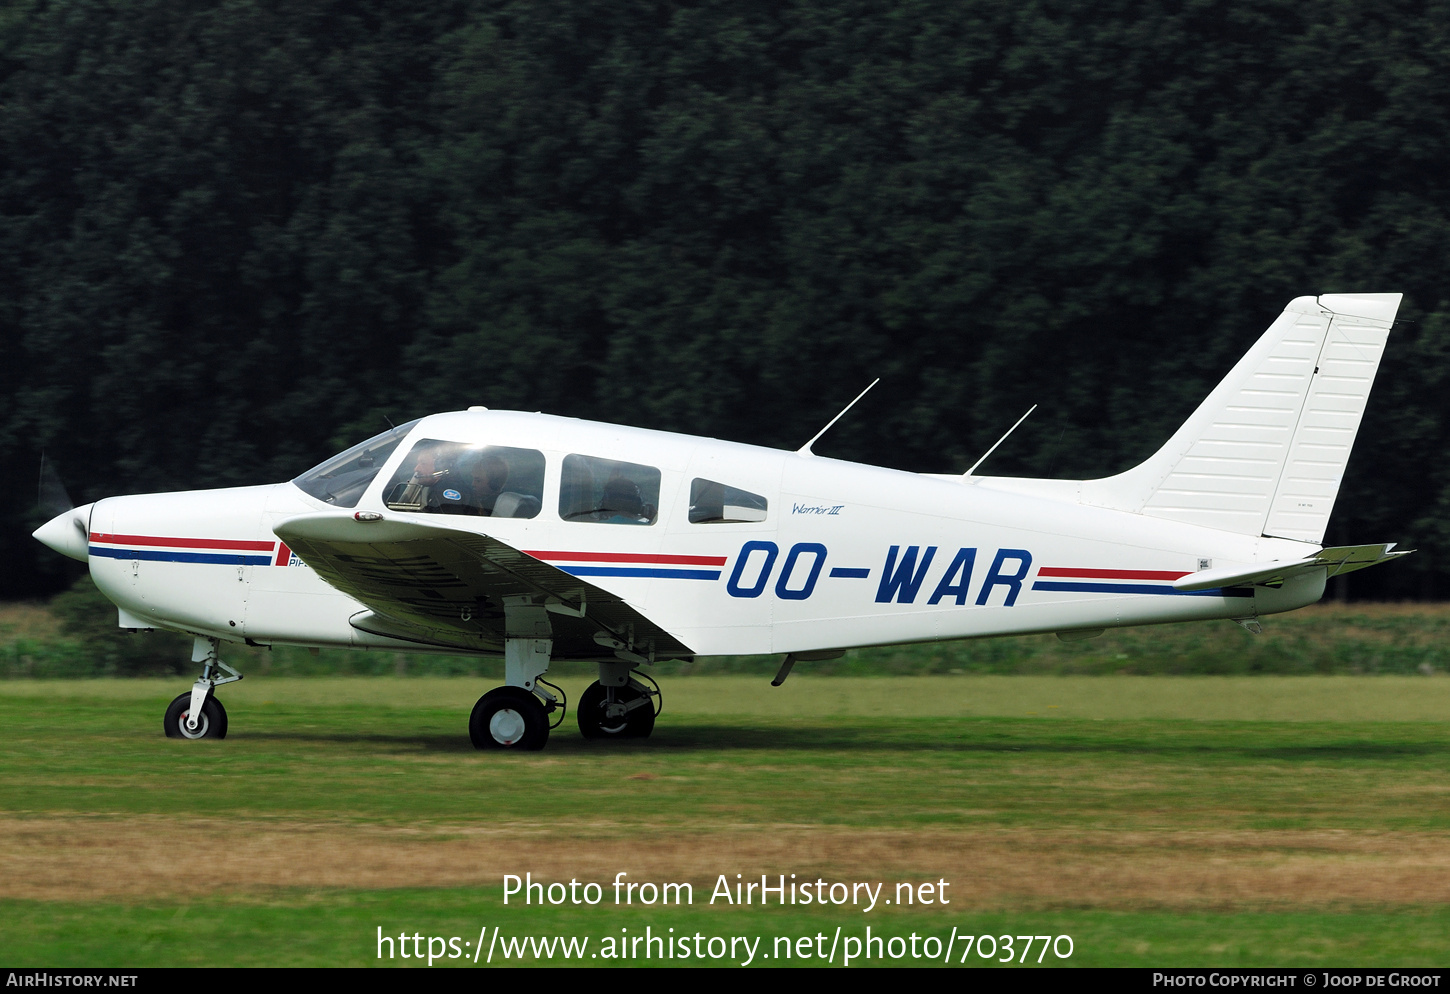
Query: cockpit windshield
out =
(342, 479)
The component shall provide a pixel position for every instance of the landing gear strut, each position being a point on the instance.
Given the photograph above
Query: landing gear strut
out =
(198, 714)
(513, 716)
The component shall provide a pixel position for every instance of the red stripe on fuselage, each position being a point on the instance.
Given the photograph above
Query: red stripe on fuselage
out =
(183, 543)
(625, 557)
(1114, 574)
(284, 554)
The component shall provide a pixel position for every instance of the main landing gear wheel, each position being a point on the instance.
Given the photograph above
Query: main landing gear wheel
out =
(508, 718)
(213, 724)
(595, 721)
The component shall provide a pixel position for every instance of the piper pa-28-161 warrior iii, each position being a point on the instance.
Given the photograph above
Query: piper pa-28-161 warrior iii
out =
(539, 538)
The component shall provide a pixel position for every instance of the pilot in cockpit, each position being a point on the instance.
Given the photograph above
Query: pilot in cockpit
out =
(427, 474)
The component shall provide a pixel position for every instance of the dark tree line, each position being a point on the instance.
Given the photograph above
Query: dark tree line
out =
(235, 237)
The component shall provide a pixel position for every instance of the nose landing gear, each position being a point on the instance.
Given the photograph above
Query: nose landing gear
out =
(198, 714)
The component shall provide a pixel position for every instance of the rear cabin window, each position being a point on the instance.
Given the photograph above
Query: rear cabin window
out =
(608, 492)
(714, 503)
(496, 481)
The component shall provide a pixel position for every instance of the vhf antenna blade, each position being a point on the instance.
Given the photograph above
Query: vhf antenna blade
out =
(979, 462)
(805, 450)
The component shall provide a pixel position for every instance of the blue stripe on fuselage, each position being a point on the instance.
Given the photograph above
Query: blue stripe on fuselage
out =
(1139, 588)
(667, 574)
(164, 556)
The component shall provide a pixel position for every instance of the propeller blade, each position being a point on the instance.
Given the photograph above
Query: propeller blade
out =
(52, 497)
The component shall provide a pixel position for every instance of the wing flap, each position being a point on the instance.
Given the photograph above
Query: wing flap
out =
(435, 585)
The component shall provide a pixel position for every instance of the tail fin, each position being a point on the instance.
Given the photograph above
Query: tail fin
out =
(1265, 453)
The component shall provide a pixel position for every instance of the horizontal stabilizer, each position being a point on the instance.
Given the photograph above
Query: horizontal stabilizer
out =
(1343, 559)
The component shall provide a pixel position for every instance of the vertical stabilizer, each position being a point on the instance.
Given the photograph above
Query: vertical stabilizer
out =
(1265, 453)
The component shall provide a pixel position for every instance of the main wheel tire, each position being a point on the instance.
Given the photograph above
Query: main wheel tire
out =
(508, 718)
(595, 724)
(213, 719)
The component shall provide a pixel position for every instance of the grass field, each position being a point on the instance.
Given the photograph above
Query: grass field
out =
(1155, 820)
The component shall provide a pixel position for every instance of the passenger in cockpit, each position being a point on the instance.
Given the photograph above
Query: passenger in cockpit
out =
(622, 503)
(490, 475)
(479, 494)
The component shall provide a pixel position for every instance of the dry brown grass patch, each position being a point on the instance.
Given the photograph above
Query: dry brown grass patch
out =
(78, 858)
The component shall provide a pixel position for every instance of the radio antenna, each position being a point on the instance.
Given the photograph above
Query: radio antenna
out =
(805, 450)
(979, 462)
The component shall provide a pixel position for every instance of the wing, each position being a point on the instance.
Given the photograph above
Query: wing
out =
(442, 586)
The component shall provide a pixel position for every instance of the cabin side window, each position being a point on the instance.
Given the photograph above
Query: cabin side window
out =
(714, 503)
(438, 477)
(605, 491)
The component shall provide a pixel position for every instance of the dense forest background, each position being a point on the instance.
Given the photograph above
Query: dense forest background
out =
(237, 236)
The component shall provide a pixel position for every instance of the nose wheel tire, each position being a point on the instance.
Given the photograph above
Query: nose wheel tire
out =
(596, 723)
(213, 724)
(508, 718)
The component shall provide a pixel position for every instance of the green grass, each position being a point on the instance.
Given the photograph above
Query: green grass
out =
(866, 748)
(1157, 820)
(342, 928)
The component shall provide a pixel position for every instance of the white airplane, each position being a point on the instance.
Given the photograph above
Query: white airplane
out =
(539, 538)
